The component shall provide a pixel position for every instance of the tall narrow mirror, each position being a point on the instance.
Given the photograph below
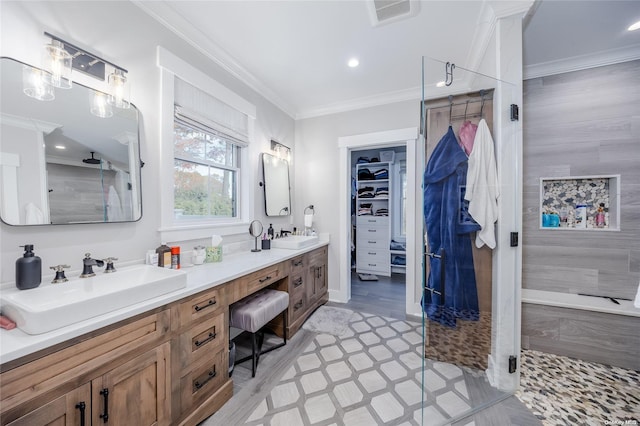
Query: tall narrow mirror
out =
(275, 176)
(60, 163)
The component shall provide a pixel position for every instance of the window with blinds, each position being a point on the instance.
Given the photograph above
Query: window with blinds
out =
(208, 137)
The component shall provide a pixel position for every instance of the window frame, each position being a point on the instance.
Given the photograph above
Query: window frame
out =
(170, 229)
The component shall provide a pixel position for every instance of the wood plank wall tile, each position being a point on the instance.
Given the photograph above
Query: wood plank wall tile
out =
(574, 124)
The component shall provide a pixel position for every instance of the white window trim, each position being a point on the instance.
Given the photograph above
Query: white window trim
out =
(171, 66)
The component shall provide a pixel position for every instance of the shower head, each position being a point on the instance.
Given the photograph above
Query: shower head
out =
(91, 160)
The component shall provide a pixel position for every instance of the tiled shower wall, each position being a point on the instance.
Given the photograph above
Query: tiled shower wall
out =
(583, 123)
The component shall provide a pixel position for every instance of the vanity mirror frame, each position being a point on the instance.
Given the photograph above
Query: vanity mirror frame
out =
(275, 178)
(122, 129)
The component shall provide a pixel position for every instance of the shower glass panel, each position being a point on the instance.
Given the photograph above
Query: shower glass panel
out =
(465, 313)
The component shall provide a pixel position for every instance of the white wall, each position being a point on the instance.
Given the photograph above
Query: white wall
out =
(317, 182)
(121, 33)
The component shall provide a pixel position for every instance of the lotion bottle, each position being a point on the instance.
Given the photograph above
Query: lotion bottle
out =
(28, 269)
(164, 256)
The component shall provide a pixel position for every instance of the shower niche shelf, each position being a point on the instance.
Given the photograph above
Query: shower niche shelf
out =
(558, 193)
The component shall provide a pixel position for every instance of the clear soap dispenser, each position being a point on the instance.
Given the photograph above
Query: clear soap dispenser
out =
(28, 269)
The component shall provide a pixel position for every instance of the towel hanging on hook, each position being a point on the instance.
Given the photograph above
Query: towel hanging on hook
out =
(450, 108)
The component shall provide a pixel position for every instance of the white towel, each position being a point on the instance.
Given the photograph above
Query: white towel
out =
(482, 186)
(33, 215)
(114, 208)
(308, 220)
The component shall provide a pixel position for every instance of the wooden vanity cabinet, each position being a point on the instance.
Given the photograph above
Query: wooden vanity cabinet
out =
(131, 361)
(168, 366)
(201, 361)
(308, 287)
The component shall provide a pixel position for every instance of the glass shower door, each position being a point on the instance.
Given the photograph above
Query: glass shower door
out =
(466, 131)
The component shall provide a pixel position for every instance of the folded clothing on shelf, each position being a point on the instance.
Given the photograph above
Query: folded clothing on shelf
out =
(382, 212)
(395, 245)
(381, 174)
(365, 174)
(382, 192)
(366, 192)
(399, 259)
(365, 209)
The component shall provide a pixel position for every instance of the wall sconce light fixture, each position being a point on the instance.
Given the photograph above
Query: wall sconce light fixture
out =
(100, 106)
(60, 57)
(281, 151)
(34, 84)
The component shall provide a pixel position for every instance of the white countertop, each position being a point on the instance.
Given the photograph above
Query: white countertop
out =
(576, 301)
(15, 343)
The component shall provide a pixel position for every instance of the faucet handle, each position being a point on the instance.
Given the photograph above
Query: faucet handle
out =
(59, 278)
(109, 261)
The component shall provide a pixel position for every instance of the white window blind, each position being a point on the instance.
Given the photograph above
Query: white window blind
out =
(201, 109)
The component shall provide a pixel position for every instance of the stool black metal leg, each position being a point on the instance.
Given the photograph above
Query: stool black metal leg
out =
(254, 354)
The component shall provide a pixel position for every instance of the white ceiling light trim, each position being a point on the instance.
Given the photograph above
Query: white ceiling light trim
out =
(634, 27)
(353, 62)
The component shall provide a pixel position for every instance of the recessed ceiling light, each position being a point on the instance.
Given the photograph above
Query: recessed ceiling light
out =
(440, 84)
(634, 27)
(353, 62)
(60, 147)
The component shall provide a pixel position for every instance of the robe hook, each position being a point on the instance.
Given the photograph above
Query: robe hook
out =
(448, 73)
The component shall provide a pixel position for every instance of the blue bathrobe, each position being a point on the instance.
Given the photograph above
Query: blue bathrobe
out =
(448, 226)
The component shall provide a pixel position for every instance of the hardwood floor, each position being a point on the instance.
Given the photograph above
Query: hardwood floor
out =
(385, 297)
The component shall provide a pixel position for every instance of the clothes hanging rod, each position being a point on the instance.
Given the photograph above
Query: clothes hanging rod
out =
(471, 101)
(463, 117)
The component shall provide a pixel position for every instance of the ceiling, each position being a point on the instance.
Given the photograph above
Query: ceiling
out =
(295, 52)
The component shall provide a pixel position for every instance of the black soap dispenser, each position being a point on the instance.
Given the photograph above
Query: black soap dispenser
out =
(28, 269)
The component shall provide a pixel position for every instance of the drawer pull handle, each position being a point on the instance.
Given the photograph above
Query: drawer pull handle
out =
(297, 305)
(372, 264)
(298, 282)
(265, 279)
(197, 385)
(372, 242)
(105, 414)
(371, 230)
(298, 263)
(212, 335)
(81, 406)
(372, 253)
(211, 302)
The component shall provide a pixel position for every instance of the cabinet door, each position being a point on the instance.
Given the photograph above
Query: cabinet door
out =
(135, 393)
(71, 409)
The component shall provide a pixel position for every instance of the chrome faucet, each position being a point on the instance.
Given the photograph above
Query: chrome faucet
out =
(87, 265)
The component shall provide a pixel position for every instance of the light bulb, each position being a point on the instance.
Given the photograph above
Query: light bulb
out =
(119, 88)
(34, 84)
(58, 62)
(99, 105)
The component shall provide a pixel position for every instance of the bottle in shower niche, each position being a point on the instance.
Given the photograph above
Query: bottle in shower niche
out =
(600, 218)
(164, 256)
(581, 216)
(28, 269)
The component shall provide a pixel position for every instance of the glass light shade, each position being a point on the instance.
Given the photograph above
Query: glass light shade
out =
(119, 89)
(34, 84)
(58, 62)
(99, 105)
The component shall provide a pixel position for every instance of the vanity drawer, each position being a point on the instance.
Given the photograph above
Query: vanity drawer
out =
(263, 278)
(297, 305)
(297, 283)
(202, 340)
(298, 265)
(205, 378)
(202, 305)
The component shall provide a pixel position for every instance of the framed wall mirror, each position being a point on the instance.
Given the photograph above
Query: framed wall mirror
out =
(275, 177)
(60, 163)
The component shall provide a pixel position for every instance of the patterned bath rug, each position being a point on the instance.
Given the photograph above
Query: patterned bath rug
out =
(330, 320)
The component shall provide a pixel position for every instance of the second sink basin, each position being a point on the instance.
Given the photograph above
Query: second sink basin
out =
(52, 306)
(294, 242)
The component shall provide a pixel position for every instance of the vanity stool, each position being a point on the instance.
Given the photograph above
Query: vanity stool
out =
(254, 312)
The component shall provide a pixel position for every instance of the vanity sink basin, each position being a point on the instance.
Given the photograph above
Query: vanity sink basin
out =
(52, 306)
(294, 242)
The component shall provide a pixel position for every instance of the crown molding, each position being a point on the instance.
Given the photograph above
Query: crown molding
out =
(163, 13)
(582, 62)
(361, 103)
